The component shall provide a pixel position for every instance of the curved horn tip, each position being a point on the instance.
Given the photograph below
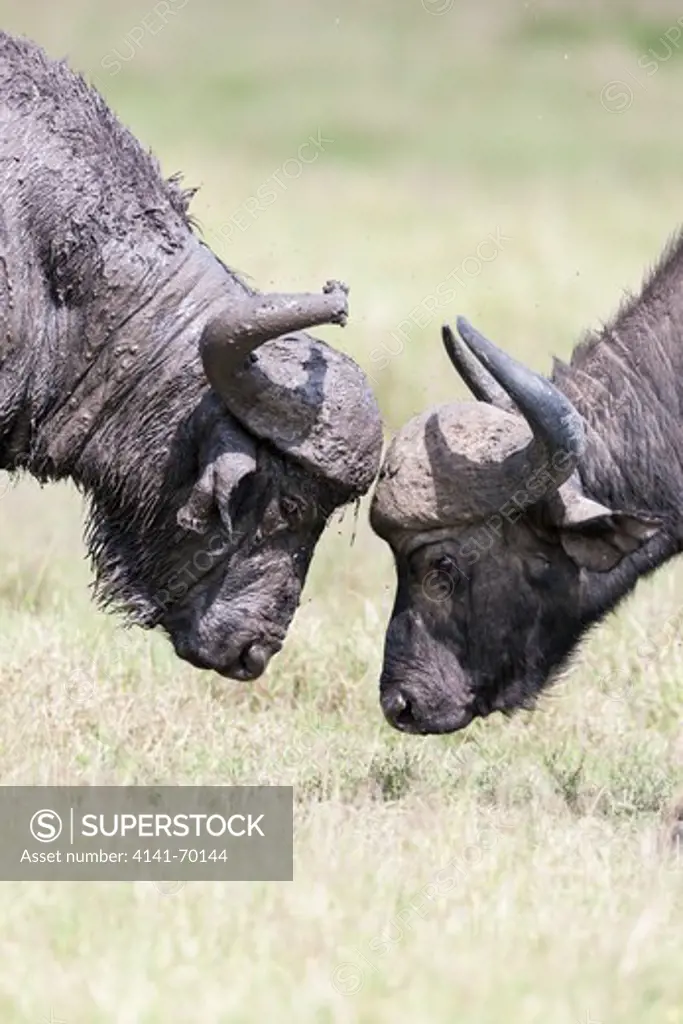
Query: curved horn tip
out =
(549, 412)
(451, 345)
(447, 336)
(469, 333)
(473, 371)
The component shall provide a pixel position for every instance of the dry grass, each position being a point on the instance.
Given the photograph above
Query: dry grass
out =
(513, 873)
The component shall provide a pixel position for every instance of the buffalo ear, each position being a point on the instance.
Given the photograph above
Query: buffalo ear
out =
(596, 537)
(226, 458)
(601, 543)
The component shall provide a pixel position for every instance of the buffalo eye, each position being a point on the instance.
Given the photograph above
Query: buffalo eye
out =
(292, 510)
(538, 567)
(443, 564)
(441, 579)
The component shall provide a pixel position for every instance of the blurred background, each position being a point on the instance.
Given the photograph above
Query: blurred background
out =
(516, 161)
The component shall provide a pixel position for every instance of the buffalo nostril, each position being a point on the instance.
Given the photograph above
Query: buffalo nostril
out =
(253, 661)
(398, 711)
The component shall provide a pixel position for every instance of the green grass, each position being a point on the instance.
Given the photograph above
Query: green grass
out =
(513, 873)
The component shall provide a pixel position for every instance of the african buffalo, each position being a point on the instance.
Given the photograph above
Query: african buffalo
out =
(132, 361)
(521, 519)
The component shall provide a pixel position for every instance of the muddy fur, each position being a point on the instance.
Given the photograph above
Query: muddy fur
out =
(105, 291)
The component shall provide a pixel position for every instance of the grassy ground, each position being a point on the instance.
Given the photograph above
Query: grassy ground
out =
(512, 873)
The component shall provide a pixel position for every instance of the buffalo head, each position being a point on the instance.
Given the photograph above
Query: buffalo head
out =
(502, 559)
(217, 552)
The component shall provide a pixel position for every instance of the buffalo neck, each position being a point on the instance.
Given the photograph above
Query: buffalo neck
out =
(109, 385)
(627, 382)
